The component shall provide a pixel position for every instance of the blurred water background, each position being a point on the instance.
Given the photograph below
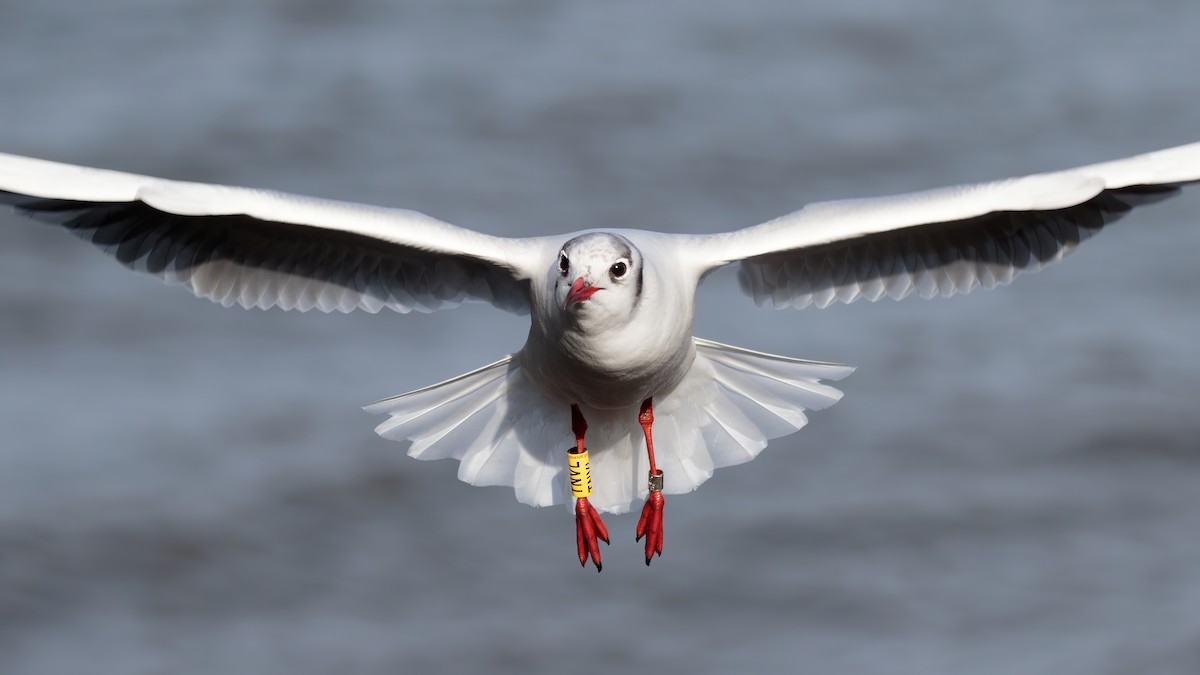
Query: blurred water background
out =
(1009, 486)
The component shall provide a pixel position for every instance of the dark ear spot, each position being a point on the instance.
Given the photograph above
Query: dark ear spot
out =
(622, 249)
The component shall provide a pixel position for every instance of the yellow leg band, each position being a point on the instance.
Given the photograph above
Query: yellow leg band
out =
(580, 473)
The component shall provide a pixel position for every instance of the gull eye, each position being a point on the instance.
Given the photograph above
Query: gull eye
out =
(564, 264)
(618, 269)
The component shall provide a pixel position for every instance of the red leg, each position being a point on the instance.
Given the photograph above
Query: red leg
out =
(650, 524)
(588, 526)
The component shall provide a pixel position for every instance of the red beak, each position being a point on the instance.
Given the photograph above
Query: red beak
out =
(580, 291)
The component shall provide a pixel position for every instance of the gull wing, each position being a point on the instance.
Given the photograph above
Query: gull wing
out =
(943, 241)
(259, 248)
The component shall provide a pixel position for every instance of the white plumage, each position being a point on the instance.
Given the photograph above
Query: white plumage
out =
(505, 431)
(509, 423)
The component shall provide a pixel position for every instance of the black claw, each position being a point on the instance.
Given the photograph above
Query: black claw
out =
(599, 568)
(648, 559)
(583, 563)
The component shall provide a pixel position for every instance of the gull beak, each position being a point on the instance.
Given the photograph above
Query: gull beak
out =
(580, 291)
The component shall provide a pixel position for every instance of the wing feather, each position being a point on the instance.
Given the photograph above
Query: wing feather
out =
(265, 249)
(939, 242)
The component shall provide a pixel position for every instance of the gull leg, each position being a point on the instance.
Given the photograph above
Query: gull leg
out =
(588, 526)
(650, 524)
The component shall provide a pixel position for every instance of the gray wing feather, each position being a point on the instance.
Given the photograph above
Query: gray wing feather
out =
(935, 259)
(252, 262)
(942, 241)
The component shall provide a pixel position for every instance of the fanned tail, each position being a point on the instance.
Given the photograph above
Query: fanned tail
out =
(500, 427)
(734, 400)
(505, 431)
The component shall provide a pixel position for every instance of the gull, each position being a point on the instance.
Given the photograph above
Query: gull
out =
(610, 350)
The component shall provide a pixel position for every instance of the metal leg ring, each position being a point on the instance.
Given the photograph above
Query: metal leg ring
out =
(656, 482)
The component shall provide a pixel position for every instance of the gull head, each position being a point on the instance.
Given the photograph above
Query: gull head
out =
(598, 274)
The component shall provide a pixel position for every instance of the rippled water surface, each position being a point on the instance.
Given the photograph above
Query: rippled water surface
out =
(1009, 486)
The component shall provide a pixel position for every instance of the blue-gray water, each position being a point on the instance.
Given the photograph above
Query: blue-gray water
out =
(1009, 486)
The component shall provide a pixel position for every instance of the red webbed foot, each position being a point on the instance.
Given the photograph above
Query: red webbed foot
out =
(588, 526)
(588, 529)
(650, 524)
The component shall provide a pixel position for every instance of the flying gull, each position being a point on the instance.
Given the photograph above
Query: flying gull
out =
(610, 355)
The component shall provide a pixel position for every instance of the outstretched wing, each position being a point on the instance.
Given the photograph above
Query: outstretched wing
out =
(945, 241)
(266, 249)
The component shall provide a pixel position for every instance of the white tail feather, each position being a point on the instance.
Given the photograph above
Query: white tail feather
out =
(505, 431)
